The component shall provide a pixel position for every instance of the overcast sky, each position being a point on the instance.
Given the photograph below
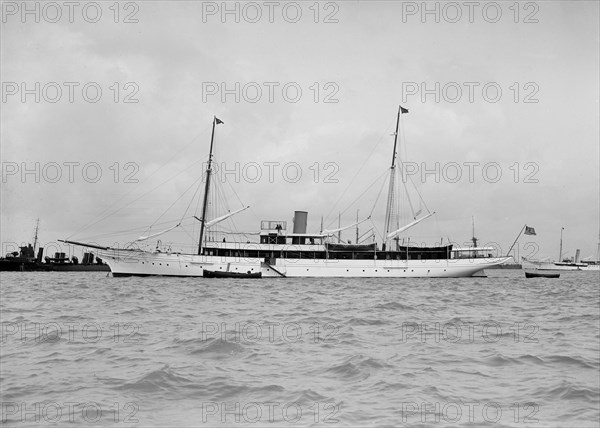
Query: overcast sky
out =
(495, 89)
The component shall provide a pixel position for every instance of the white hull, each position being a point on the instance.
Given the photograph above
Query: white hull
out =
(142, 263)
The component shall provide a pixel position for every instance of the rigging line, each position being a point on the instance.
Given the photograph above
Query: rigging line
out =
(238, 196)
(380, 235)
(359, 196)
(188, 234)
(412, 209)
(196, 210)
(221, 199)
(174, 202)
(403, 139)
(143, 181)
(192, 199)
(130, 203)
(225, 199)
(419, 193)
(234, 192)
(404, 146)
(385, 134)
(377, 199)
(137, 230)
(365, 191)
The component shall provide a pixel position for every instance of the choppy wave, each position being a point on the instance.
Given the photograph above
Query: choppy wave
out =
(302, 352)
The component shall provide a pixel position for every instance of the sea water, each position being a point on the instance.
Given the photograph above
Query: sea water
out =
(84, 349)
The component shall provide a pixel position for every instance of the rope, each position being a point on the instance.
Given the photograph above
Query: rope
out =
(386, 133)
(100, 215)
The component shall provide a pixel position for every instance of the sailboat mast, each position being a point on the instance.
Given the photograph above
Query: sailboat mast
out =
(206, 187)
(35, 238)
(390, 200)
(560, 249)
(396, 137)
(473, 238)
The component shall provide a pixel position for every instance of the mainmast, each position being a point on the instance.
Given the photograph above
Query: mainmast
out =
(208, 173)
(391, 191)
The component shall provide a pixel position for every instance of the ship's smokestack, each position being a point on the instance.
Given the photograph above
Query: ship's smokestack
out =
(40, 254)
(577, 256)
(300, 218)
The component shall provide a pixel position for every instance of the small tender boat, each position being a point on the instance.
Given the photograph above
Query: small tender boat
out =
(224, 274)
(542, 275)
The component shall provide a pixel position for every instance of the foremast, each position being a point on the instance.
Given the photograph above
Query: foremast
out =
(216, 121)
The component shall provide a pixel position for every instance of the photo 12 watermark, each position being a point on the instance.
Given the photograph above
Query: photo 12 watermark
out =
(49, 412)
(453, 12)
(269, 412)
(270, 92)
(290, 12)
(474, 412)
(69, 172)
(471, 92)
(69, 92)
(271, 172)
(487, 331)
(53, 12)
(471, 172)
(71, 332)
(269, 332)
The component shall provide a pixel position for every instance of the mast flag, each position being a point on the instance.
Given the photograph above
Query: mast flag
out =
(218, 121)
(527, 230)
(403, 110)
